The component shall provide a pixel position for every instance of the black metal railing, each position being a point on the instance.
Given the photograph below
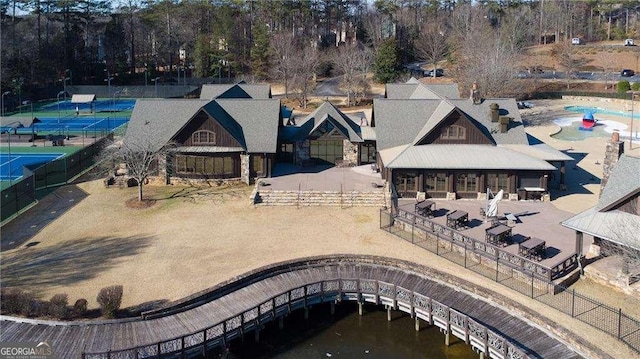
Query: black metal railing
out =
(518, 273)
(480, 337)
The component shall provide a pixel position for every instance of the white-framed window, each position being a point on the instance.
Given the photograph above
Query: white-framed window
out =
(203, 137)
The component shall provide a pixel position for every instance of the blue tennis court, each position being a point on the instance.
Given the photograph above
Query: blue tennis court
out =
(74, 124)
(11, 165)
(106, 105)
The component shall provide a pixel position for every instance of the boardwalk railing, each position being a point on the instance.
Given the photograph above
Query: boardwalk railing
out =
(518, 273)
(481, 338)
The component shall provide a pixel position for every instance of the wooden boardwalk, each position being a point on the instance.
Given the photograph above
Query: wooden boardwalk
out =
(211, 318)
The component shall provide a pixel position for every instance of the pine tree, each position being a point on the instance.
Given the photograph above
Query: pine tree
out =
(260, 51)
(386, 66)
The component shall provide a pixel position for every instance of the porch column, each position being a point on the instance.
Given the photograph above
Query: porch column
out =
(350, 153)
(579, 243)
(245, 174)
(563, 170)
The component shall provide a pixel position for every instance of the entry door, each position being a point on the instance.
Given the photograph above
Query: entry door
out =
(407, 184)
(326, 151)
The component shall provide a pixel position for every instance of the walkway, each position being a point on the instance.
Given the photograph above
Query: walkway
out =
(258, 295)
(286, 176)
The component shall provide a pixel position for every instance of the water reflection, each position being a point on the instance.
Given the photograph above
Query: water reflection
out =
(347, 335)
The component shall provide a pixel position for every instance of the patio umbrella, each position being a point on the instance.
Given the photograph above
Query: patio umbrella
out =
(492, 210)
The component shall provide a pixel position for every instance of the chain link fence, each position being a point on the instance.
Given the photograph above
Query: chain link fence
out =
(22, 194)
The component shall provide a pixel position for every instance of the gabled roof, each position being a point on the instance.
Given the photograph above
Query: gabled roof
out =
(471, 157)
(418, 90)
(398, 121)
(225, 120)
(253, 123)
(239, 90)
(154, 122)
(77, 98)
(13, 122)
(612, 224)
(329, 113)
(440, 114)
(623, 182)
(259, 122)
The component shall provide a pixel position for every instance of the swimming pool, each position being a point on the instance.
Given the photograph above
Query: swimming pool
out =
(570, 129)
(604, 111)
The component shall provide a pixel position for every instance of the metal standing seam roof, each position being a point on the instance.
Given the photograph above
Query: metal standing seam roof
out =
(614, 225)
(86, 98)
(472, 157)
(541, 151)
(368, 133)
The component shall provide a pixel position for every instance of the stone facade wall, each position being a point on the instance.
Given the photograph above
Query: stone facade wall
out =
(350, 153)
(612, 153)
(245, 173)
(301, 152)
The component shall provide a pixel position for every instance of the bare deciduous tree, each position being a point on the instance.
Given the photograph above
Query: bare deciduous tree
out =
(566, 55)
(303, 81)
(432, 45)
(284, 58)
(483, 56)
(141, 157)
(353, 62)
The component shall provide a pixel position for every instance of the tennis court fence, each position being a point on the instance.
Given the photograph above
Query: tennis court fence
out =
(24, 192)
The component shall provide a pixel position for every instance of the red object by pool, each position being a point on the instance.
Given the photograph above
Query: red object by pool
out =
(588, 121)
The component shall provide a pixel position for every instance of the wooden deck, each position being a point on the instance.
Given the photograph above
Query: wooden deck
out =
(210, 318)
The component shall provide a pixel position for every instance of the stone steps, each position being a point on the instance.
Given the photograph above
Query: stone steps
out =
(319, 198)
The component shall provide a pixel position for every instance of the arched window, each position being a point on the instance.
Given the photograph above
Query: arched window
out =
(203, 137)
(454, 132)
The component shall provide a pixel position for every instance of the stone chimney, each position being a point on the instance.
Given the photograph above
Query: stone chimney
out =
(495, 112)
(475, 94)
(504, 123)
(615, 149)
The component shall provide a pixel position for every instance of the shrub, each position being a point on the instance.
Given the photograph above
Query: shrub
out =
(110, 299)
(17, 301)
(80, 307)
(635, 86)
(623, 86)
(58, 306)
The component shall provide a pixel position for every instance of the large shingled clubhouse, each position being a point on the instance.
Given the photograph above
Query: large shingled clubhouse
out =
(424, 139)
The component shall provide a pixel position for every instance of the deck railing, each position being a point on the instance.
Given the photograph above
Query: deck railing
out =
(478, 336)
(422, 226)
(518, 273)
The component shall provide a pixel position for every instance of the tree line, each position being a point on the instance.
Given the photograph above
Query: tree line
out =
(51, 42)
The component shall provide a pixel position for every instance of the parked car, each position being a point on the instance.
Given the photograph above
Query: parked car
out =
(577, 41)
(627, 73)
(629, 42)
(429, 73)
(536, 70)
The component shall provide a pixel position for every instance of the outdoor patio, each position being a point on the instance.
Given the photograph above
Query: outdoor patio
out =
(288, 177)
(540, 219)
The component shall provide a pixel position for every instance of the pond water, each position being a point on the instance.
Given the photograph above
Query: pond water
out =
(347, 335)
